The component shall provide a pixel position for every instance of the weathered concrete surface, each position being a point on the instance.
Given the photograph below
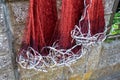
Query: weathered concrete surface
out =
(101, 63)
(109, 62)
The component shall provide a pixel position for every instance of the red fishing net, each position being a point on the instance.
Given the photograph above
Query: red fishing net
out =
(49, 43)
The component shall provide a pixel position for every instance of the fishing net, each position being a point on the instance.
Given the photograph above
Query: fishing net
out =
(89, 31)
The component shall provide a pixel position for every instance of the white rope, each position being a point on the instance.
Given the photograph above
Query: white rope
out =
(55, 58)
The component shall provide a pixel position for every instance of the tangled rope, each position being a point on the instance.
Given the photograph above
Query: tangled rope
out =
(79, 37)
(34, 60)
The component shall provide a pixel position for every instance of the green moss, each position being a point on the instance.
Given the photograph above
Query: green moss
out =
(115, 29)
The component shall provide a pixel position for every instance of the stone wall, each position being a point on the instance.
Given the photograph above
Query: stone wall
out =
(102, 62)
(6, 55)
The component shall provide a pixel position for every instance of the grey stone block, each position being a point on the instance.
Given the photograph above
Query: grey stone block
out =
(5, 61)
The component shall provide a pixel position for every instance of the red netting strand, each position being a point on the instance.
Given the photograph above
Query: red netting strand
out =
(70, 15)
(40, 25)
(50, 43)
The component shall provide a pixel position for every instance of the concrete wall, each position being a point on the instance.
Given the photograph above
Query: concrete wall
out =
(102, 62)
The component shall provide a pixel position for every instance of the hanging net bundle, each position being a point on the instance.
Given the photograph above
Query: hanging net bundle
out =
(50, 42)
